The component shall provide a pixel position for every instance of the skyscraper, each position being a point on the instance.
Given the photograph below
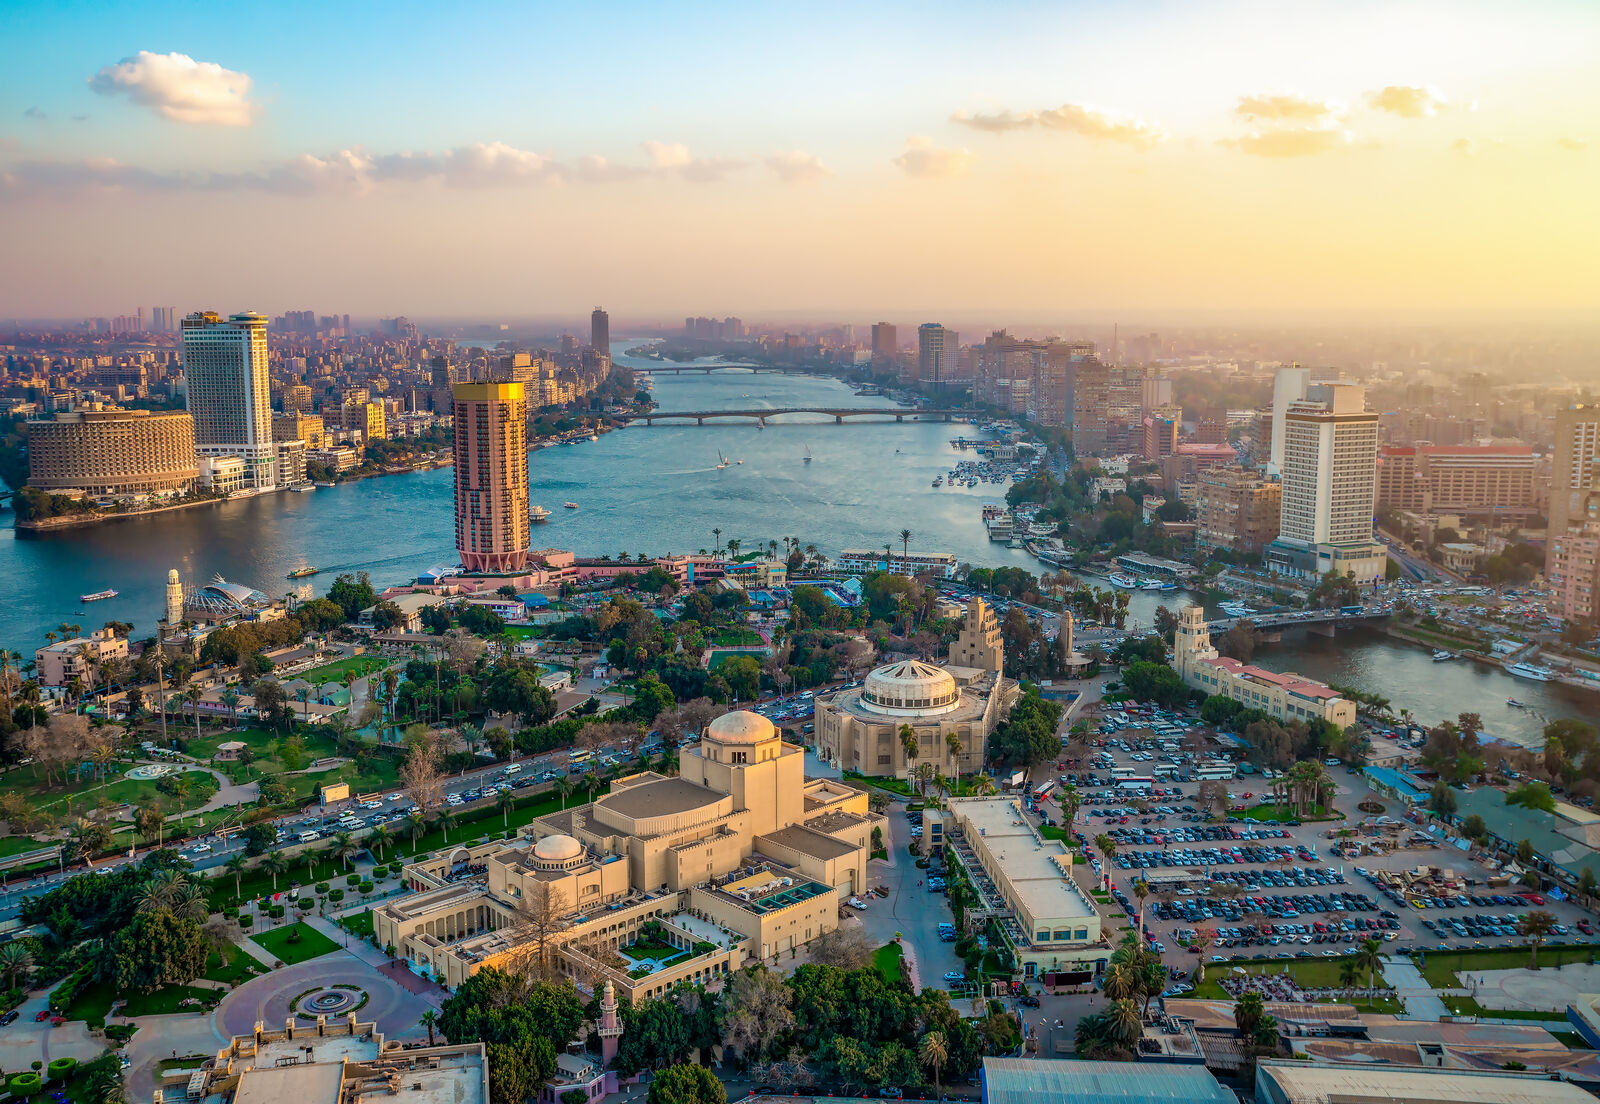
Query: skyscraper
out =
(885, 344)
(1288, 386)
(491, 460)
(1330, 472)
(937, 350)
(225, 366)
(600, 331)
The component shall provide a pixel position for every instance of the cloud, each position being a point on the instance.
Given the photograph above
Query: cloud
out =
(1575, 145)
(1408, 101)
(675, 158)
(1089, 122)
(923, 158)
(1304, 141)
(594, 169)
(35, 113)
(180, 88)
(1283, 107)
(798, 167)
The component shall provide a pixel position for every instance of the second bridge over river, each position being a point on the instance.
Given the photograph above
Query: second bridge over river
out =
(838, 414)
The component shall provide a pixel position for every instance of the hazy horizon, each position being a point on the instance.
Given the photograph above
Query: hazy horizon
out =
(1220, 162)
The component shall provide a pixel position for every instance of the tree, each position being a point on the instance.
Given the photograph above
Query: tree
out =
(1369, 957)
(149, 823)
(343, 846)
(1126, 1024)
(236, 867)
(275, 863)
(1533, 795)
(757, 1012)
(1442, 799)
(846, 948)
(932, 1053)
(156, 949)
(542, 913)
(429, 1019)
(1247, 1012)
(1536, 925)
(517, 1019)
(1474, 828)
(16, 962)
(420, 773)
(687, 1083)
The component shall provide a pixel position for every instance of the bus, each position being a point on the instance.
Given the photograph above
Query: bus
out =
(1209, 772)
(1122, 772)
(1044, 791)
(579, 755)
(1137, 782)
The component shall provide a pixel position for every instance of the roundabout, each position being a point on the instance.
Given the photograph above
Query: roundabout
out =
(330, 1001)
(334, 985)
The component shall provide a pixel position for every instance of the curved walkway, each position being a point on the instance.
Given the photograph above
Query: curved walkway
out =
(394, 1007)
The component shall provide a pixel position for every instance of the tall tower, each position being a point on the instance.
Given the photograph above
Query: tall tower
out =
(1288, 386)
(937, 350)
(600, 332)
(174, 599)
(1191, 643)
(491, 455)
(979, 643)
(1330, 478)
(225, 369)
(610, 1027)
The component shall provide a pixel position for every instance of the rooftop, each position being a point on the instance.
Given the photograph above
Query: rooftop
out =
(808, 842)
(1042, 1081)
(1028, 863)
(1307, 1083)
(661, 797)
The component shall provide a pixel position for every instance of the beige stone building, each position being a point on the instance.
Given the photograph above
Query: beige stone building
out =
(967, 698)
(297, 426)
(1284, 697)
(738, 858)
(106, 450)
(59, 663)
(1236, 510)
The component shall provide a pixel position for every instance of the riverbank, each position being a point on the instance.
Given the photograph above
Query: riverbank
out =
(96, 517)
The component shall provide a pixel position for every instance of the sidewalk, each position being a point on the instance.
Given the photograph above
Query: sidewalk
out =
(1421, 999)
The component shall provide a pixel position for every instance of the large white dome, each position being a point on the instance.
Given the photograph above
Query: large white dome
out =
(910, 688)
(557, 849)
(741, 727)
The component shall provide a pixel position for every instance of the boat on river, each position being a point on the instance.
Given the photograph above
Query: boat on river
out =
(98, 595)
(538, 513)
(1440, 655)
(570, 505)
(1122, 580)
(303, 572)
(1530, 671)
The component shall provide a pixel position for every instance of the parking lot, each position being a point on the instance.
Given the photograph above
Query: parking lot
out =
(1275, 890)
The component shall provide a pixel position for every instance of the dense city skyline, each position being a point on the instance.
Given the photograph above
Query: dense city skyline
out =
(1209, 157)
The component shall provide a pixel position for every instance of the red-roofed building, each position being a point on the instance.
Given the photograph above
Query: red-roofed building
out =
(1283, 696)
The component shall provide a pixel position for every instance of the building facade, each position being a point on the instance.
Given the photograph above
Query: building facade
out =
(1283, 697)
(296, 426)
(885, 345)
(1480, 481)
(1236, 510)
(61, 663)
(105, 450)
(937, 352)
(491, 462)
(600, 331)
(1288, 386)
(225, 366)
(864, 561)
(950, 710)
(1330, 464)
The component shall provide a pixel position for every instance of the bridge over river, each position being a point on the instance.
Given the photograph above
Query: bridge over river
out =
(1322, 621)
(838, 414)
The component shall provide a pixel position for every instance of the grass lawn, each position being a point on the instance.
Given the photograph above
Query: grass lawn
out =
(82, 794)
(93, 1003)
(311, 943)
(736, 638)
(887, 960)
(333, 672)
(1282, 813)
(232, 966)
(1441, 967)
(1311, 973)
(1571, 1040)
(359, 925)
(893, 785)
(1468, 1006)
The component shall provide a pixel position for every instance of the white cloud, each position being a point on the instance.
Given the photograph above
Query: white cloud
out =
(180, 88)
(1574, 145)
(798, 167)
(674, 157)
(1290, 141)
(1407, 100)
(1080, 119)
(923, 158)
(1283, 107)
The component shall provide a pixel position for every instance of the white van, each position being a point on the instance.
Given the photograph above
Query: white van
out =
(308, 837)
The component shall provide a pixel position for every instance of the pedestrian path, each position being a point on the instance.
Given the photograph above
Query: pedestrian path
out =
(1421, 1000)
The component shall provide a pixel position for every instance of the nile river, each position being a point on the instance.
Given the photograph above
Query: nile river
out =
(654, 490)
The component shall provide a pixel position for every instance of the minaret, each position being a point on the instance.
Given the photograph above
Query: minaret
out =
(610, 1028)
(174, 600)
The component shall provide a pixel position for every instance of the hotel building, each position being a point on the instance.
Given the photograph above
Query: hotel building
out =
(1492, 481)
(296, 426)
(491, 461)
(1330, 461)
(225, 366)
(1236, 510)
(105, 450)
(737, 859)
(1283, 697)
(863, 561)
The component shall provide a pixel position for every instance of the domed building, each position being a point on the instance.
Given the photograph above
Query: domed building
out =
(739, 857)
(861, 728)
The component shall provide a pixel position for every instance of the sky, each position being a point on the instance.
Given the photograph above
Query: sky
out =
(522, 159)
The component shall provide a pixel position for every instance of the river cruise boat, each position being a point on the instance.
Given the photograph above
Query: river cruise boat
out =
(538, 513)
(1440, 655)
(98, 595)
(1531, 672)
(303, 572)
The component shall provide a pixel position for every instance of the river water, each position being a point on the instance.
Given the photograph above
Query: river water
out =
(657, 489)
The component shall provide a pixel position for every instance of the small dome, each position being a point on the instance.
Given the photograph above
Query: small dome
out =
(910, 686)
(741, 727)
(557, 849)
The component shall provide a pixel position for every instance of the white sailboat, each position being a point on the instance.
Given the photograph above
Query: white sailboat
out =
(807, 456)
(722, 461)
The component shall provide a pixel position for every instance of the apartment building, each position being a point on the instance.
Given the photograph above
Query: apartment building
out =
(1236, 510)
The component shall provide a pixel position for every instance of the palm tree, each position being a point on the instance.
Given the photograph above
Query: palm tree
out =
(507, 801)
(905, 547)
(344, 845)
(1535, 926)
(236, 867)
(230, 698)
(1125, 1022)
(274, 864)
(378, 839)
(952, 741)
(717, 533)
(302, 694)
(447, 820)
(15, 959)
(91, 838)
(101, 756)
(1349, 974)
(1368, 957)
(1069, 806)
(190, 901)
(1119, 982)
(192, 696)
(564, 787)
(1141, 890)
(908, 740)
(1108, 851)
(429, 1019)
(416, 822)
(982, 785)
(932, 1053)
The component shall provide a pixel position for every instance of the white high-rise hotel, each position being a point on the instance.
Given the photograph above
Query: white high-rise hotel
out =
(225, 369)
(1330, 465)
